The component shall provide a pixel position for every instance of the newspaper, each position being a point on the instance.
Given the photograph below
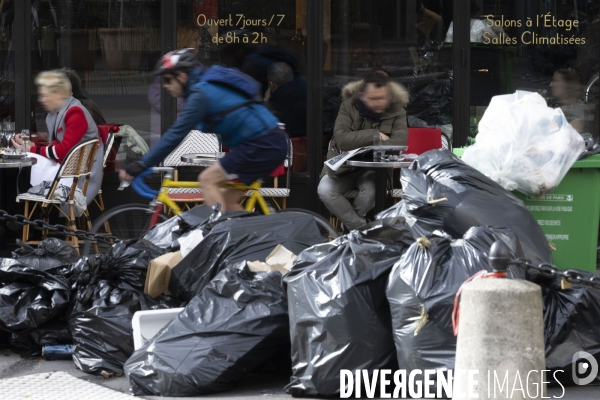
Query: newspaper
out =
(336, 162)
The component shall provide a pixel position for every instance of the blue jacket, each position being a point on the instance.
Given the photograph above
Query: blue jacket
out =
(203, 99)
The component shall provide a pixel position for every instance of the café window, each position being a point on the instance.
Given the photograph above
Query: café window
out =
(7, 63)
(404, 39)
(110, 47)
(265, 39)
(549, 47)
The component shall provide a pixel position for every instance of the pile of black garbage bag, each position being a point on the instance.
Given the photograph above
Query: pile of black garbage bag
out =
(239, 316)
(378, 298)
(351, 299)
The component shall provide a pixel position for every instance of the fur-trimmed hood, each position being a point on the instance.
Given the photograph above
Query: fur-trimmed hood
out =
(399, 93)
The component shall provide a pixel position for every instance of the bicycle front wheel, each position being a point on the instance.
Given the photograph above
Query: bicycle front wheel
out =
(327, 231)
(129, 221)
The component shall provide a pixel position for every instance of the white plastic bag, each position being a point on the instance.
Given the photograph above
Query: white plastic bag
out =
(478, 28)
(523, 144)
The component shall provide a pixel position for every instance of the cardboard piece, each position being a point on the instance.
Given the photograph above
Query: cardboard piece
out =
(159, 274)
(280, 259)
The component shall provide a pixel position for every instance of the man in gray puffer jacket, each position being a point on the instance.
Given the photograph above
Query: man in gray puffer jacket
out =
(374, 106)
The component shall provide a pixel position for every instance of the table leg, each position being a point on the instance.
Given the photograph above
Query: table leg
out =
(381, 175)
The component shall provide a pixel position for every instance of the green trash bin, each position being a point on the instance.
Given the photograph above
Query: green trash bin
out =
(570, 215)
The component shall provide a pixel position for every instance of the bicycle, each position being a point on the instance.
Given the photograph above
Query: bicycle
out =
(132, 221)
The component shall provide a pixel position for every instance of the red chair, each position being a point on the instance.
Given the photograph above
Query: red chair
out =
(419, 141)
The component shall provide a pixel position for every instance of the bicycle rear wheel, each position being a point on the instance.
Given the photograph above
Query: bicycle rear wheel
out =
(327, 231)
(129, 221)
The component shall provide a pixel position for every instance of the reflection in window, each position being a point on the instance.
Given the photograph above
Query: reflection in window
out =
(266, 40)
(405, 38)
(549, 47)
(7, 62)
(110, 46)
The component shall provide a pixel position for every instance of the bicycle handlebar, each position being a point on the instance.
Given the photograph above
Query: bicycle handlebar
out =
(141, 187)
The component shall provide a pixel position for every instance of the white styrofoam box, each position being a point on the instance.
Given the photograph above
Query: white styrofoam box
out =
(146, 324)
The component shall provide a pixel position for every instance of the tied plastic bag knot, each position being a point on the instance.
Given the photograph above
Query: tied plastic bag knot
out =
(49, 254)
(424, 242)
(433, 201)
(422, 320)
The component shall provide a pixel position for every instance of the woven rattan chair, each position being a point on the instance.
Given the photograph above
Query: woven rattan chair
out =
(98, 200)
(77, 165)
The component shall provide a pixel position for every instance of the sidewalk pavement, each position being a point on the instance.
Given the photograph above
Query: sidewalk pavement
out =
(254, 387)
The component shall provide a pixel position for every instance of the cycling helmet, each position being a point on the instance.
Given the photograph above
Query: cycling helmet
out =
(177, 61)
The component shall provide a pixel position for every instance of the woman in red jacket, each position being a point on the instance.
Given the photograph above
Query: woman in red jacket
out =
(68, 123)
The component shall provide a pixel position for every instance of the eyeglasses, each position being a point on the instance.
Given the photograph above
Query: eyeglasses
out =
(167, 80)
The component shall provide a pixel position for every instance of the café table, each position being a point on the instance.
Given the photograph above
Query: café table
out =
(6, 163)
(381, 176)
(17, 162)
(203, 159)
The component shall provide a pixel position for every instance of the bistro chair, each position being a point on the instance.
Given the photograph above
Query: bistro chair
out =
(108, 143)
(77, 165)
(194, 142)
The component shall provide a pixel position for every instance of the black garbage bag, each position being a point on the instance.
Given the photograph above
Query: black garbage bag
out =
(166, 234)
(102, 333)
(238, 322)
(472, 200)
(423, 284)
(50, 253)
(29, 298)
(110, 291)
(126, 265)
(30, 343)
(195, 217)
(249, 238)
(339, 315)
(570, 325)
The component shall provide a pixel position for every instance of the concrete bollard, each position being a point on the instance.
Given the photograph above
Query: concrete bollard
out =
(500, 344)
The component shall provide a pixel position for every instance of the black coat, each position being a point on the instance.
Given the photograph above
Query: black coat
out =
(288, 103)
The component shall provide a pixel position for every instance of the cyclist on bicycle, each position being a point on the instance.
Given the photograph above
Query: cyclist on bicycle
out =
(223, 101)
